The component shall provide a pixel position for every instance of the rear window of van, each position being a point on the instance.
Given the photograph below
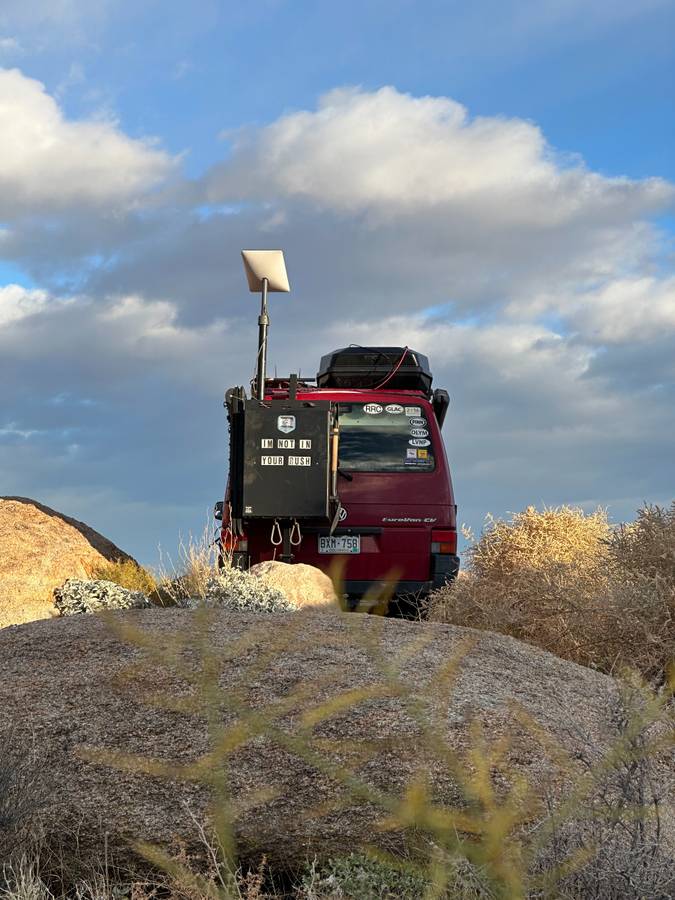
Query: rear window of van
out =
(385, 437)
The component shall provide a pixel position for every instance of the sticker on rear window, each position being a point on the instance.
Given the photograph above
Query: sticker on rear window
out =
(422, 454)
(413, 411)
(411, 453)
(419, 442)
(419, 432)
(373, 409)
(394, 408)
(418, 423)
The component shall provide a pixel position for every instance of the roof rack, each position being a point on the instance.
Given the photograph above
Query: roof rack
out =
(397, 368)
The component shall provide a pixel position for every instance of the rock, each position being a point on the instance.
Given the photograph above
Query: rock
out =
(235, 589)
(39, 549)
(76, 687)
(303, 585)
(75, 596)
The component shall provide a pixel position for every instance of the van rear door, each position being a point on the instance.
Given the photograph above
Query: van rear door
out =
(395, 488)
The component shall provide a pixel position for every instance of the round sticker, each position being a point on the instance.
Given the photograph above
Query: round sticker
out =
(373, 409)
(394, 408)
(419, 442)
(418, 423)
(419, 432)
(286, 424)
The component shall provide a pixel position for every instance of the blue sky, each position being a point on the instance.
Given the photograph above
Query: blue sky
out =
(495, 179)
(186, 73)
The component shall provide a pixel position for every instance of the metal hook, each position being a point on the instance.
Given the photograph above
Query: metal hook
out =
(294, 529)
(276, 528)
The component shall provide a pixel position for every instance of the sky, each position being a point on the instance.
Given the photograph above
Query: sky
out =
(491, 183)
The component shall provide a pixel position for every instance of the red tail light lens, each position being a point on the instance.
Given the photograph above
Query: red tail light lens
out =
(230, 542)
(443, 540)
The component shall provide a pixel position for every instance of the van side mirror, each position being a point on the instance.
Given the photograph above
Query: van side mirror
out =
(440, 402)
(218, 511)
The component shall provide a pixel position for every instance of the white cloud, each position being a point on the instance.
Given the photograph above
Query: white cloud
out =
(635, 310)
(17, 303)
(52, 164)
(387, 153)
(105, 343)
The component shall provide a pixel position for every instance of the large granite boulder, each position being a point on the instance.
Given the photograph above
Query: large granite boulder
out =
(39, 549)
(303, 585)
(99, 694)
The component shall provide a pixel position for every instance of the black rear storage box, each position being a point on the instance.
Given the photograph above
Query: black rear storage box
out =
(368, 367)
(280, 460)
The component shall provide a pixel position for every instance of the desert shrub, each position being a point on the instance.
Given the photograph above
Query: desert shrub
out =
(647, 545)
(21, 879)
(361, 877)
(235, 589)
(534, 541)
(557, 579)
(22, 791)
(75, 597)
(127, 574)
(197, 579)
(614, 838)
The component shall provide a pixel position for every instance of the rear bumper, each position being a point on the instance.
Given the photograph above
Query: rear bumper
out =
(444, 569)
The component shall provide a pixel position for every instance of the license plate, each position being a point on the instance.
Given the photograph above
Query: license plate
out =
(344, 543)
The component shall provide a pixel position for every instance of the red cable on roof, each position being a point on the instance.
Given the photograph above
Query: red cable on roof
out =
(392, 373)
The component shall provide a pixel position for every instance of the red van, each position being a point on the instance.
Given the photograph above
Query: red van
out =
(397, 527)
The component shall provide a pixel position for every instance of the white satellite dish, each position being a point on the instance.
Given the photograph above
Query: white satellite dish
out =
(266, 264)
(265, 271)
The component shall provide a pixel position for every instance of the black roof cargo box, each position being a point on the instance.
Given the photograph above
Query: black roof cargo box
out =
(393, 368)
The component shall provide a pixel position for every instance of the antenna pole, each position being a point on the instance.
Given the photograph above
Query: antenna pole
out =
(263, 325)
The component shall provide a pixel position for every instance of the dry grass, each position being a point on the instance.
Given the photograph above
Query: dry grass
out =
(22, 791)
(533, 541)
(128, 574)
(569, 583)
(647, 546)
(188, 576)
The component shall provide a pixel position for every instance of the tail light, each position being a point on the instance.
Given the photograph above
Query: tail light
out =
(231, 542)
(444, 540)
